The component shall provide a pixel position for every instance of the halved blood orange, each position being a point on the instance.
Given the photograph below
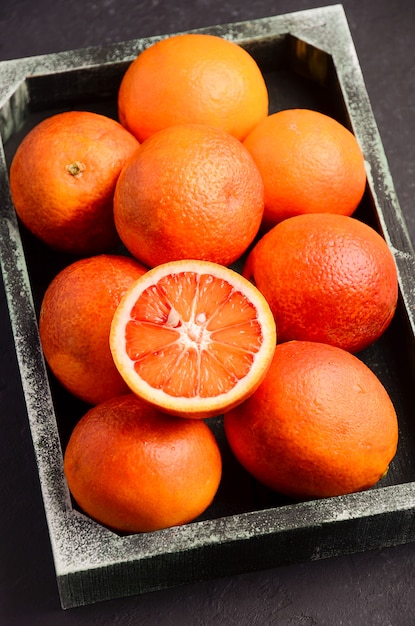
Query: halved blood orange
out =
(193, 338)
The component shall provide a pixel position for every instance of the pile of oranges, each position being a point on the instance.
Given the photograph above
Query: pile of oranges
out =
(151, 327)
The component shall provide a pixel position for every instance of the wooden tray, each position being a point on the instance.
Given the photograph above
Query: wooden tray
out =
(309, 60)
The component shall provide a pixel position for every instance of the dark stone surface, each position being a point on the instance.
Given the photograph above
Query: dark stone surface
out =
(363, 589)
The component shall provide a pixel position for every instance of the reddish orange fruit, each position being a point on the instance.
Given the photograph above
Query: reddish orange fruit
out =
(328, 278)
(190, 191)
(75, 320)
(192, 78)
(321, 424)
(62, 180)
(309, 162)
(192, 338)
(134, 469)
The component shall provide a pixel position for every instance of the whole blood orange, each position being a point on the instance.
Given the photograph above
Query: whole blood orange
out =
(328, 278)
(75, 320)
(190, 191)
(62, 180)
(310, 163)
(321, 424)
(135, 469)
(192, 338)
(192, 78)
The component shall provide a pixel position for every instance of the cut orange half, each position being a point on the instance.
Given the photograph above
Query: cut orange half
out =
(193, 338)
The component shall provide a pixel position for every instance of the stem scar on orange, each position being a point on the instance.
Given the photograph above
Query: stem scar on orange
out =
(193, 338)
(135, 469)
(62, 180)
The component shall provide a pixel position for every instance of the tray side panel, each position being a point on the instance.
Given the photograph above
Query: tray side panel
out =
(230, 558)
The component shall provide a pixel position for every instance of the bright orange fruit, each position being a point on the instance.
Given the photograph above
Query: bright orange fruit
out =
(192, 338)
(135, 469)
(62, 180)
(190, 191)
(192, 78)
(328, 278)
(309, 162)
(75, 320)
(321, 424)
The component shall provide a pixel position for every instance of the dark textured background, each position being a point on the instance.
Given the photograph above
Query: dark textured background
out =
(370, 589)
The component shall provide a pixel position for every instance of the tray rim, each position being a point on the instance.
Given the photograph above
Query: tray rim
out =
(67, 526)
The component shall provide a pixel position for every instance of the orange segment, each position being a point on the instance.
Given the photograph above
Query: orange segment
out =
(193, 338)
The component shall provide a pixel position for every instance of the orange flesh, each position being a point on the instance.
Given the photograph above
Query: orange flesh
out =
(191, 338)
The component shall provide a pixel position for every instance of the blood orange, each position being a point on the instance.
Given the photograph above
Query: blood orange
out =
(75, 320)
(136, 469)
(191, 191)
(193, 338)
(309, 162)
(321, 423)
(196, 78)
(328, 278)
(63, 176)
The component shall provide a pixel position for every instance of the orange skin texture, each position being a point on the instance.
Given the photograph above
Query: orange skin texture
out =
(62, 180)
(192, 78)
(75, 320)
(327, 278)
(135, 469)
(321, 424)
(189, 192)
(309, 162)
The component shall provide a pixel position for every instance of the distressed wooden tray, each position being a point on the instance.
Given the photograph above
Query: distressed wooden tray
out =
(309, 60)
